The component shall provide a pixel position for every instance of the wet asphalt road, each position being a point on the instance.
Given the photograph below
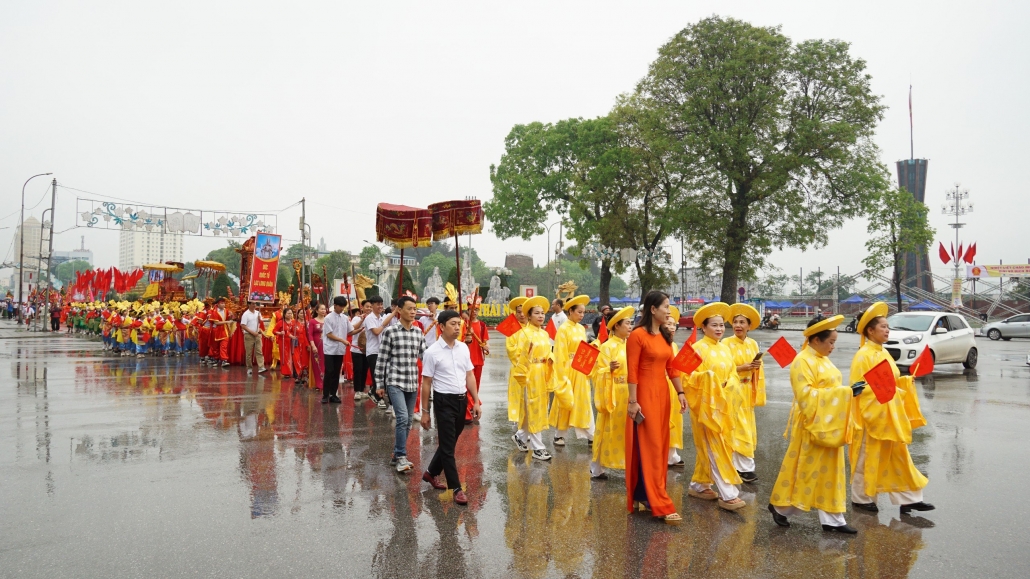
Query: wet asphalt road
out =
(113, 467)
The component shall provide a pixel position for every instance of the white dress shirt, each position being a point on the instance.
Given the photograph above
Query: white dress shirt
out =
(448, 366)
(339, 326)
(251, 320)
(372, 341)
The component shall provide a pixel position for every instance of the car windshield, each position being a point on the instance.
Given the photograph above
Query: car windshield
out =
(907, 322)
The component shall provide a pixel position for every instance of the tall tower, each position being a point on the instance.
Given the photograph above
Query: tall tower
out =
(912, 178)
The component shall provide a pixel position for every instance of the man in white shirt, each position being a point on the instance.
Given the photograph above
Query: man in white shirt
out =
(335, 330)
(375, 324)
(429, 324)
(558, 313)
(250, 323)
(357, 350)
(447, 373)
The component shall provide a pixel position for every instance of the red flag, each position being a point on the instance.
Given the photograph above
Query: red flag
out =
(960, 254)
(782, 352)
(551, 330)
(509, 326)
(881, 379)
(953, 251)
(923, 364)
(602, 332)
(692, 338)
(970, 253)
(944, 254)
(687, 360)
(585, 358)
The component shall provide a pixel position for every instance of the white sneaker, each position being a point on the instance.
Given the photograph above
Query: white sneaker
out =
(522, 446)
(389, 411)
(415, 417)
(262, 370)
(403, 464)
(250, 372)
(541, 455)
(358, 396)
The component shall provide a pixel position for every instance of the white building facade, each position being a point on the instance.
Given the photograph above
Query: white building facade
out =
(136, 248)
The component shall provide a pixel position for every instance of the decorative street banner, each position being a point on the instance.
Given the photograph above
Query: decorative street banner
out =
(956, 292)
(982, 271)
(265, 270)
(141, 217)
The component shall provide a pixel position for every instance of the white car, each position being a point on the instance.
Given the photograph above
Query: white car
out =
(949, 336)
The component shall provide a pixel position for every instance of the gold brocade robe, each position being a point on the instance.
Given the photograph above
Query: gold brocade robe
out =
(812, 475)
(532, 371)
(675, 416)
(571, 406)
(752, 382)
(611, 396)
(715, 400)
(885, 429)
(514, 392)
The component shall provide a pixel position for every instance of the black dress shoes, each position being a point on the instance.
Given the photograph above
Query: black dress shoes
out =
(778, 518)
(870, 507)
(325, 400)
(335, 399)
(748, 477)
(920, 506)
(841, 529)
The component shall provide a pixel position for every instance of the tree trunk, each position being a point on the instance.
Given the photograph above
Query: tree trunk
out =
(736, 240)
(606, 281)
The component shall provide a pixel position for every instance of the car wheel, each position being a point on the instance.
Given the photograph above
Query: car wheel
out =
(994, 334)
(971, 358)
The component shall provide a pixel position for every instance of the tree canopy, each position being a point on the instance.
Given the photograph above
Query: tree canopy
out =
(66, 271)
(898, 226)
(228, 257)
(774, 139)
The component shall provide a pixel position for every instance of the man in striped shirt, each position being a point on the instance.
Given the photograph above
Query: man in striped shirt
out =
(396, 374)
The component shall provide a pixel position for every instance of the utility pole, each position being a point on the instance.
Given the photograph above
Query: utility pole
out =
(21, 250)
(50, 249)
(303, 248)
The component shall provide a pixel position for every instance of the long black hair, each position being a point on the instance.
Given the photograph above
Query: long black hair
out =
(653, 299)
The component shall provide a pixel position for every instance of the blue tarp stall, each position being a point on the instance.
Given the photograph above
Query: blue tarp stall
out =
(771, 305)
(855, 299)
(925, 306)
(787, 305)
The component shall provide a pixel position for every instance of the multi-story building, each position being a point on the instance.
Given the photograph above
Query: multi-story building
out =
(80, 254)
(33, 232)
(136, 248)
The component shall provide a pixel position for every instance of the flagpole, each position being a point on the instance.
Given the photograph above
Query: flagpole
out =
(911, 127)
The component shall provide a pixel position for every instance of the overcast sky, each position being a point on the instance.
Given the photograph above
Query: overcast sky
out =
(253, 105)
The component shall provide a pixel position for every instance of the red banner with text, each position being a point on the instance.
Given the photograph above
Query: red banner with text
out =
(265, 269)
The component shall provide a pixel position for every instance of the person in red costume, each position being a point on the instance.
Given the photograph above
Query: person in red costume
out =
(219, 318)
(477, 338)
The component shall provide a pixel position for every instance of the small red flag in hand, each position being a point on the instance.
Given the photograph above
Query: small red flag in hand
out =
(687, 360)
(923, 364)
(509, 326)
(585, 358)
(602, 332)
(551, 329)
(782, 352)
(692, 338)
(881, 379)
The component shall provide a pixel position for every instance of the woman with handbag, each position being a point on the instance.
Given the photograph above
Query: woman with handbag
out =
(812, 473)
(648, 366)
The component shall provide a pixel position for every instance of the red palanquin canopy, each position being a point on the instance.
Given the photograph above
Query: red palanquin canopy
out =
(404, 226)
(452, 218)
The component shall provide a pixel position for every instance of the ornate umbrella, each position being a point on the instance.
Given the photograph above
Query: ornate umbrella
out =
(403, 227)
(454, 218)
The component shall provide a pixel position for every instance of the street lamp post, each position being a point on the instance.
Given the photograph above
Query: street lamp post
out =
(21, 251)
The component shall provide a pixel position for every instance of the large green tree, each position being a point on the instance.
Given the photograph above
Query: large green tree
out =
(228, 257)
(898, 226)
(775, 139)
(335, 264)
(66, 271)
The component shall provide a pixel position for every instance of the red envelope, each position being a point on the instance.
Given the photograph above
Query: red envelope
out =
(687, 360)
(881, 379)
(782, 352)
(509, 326)
(585, 358)
(923, 364)
(551, 329)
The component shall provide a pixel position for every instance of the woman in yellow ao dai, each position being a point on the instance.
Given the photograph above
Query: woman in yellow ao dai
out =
(511, 348)
(812, 472)
(752, 380)
(675, 416)
(532, 371)
(571, 406)
(881, 433)
(715, 400)
(611, 396)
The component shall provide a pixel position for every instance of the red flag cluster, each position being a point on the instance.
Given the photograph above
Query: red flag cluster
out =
(95, 283)
(968, 255)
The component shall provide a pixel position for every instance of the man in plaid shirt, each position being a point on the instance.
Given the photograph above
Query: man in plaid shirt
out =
(397, 371)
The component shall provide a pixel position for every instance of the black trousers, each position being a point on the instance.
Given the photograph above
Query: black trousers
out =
(449, 412)
(360, 370)
(55, 324)
(331, 380)
(370, 364)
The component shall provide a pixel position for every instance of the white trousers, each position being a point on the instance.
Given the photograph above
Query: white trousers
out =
(533, 439)
(831, 519)
(743, 463)
(595, 468)
(674, 457)
(727, 491)
(587, 433)
(858, 486)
